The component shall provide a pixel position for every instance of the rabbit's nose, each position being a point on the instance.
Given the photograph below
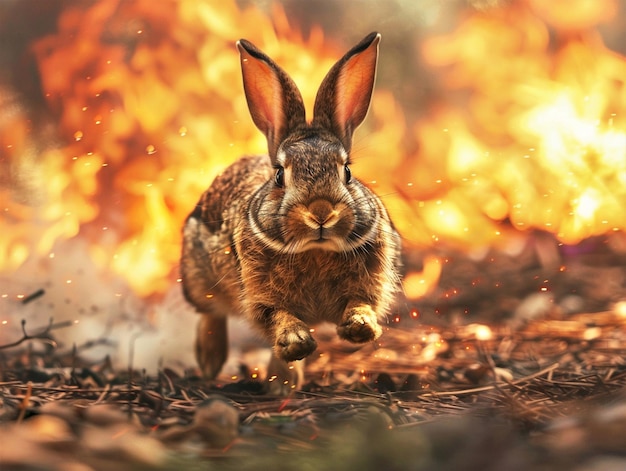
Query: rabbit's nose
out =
(321, 213)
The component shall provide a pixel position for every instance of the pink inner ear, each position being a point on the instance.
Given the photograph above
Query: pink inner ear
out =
(263, 93)
(354, 87)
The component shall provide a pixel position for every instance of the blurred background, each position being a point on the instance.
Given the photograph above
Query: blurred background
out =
(497, 129)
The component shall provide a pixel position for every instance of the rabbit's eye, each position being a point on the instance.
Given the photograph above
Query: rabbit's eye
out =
(347, 173)
(279, 177)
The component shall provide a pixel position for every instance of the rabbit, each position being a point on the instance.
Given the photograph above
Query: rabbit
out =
(291, 239)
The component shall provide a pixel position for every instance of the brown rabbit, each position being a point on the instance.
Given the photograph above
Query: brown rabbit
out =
(292, 240)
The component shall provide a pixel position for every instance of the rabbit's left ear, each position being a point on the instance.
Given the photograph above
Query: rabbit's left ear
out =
(344, 96)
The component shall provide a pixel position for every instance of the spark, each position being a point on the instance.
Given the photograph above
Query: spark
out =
(620, 308)
(483, 332)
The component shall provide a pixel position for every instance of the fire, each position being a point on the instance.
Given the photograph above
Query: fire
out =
(534, 129)
(148, 106)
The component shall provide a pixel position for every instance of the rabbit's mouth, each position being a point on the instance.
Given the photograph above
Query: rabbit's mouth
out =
(321, 240)
(330, 241)
(330, 245)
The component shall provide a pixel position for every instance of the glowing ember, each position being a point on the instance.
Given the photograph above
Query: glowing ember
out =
(482, 332)
(620, 308)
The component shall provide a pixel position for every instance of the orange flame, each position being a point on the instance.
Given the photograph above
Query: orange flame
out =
(148, 97)
(150, 103)
(534, 129)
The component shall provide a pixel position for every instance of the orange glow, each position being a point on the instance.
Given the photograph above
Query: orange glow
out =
(530, 132)
(534, 130)
(150, 106)
(419, 284)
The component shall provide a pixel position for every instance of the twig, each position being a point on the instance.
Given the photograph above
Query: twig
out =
(25, 401)
(31, 297)
(44, 335)
(492, 386)
(131, 359)
(105, 392)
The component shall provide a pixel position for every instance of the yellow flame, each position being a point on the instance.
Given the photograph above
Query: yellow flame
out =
(151, 108)
(419, 284)
(531, 134)
(538, 135)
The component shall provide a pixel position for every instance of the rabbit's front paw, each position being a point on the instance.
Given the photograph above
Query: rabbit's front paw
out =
(359, 324)
(294, 342)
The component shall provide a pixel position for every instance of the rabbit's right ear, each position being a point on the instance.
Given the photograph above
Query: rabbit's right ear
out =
(274, 101)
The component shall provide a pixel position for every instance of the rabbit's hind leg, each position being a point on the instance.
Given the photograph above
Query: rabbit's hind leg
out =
(211, 344)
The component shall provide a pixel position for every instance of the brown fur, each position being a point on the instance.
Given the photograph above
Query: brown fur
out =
(297, 244)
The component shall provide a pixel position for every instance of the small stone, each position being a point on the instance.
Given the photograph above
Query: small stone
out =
(217, 421)
(49, 430)
(120, 442)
